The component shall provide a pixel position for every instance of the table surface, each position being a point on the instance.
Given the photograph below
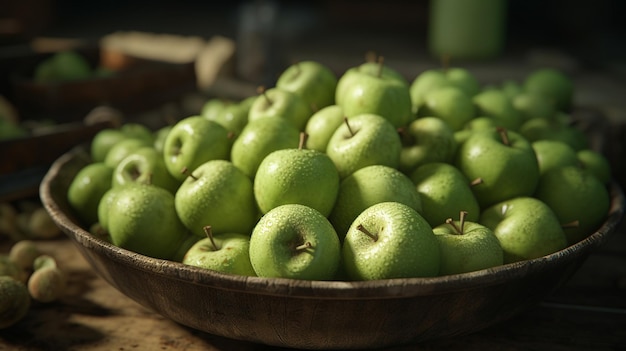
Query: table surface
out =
(587, 313)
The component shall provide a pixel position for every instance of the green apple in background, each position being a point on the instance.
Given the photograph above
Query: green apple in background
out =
(475, 124)
(495, 104)
(143, 219)
(145, 165)
(526, 227)
(368, 186)
(511, 88)
(105, 139)
(370, 67)
(296, 176)
(258, 139)
(444, 192)
(579, 199)
(232, 116)
(217, 194)
(364, 140)
(124, 148)
(433, 79)
(312, 80)
(532, 105)
(504, 161)
(555, 129)
(552, 83)
(297, 242)
(193, 141)
(367, 92)
(281, 103)
(63, 66)
(226, 253)
(552, 154)
(86, 189)
(159, 137)
(137, 130)
(467, 246)
(425, 140)
(214, 107)
(104, 204)
(322, 125)
(450, 104)
(595, 163)
(390, 240)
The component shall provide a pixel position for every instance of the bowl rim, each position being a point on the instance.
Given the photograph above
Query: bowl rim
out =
(339, 289)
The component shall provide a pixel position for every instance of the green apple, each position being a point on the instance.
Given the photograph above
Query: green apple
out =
(580, 200)
(226, 253)
(296, 176)
(503, 160)
(467, 246)
(433, 79)
(281, 103)
(532, 105)
(86, 189)
(217, 194)
(106, 138)
(159, 137)
(214, 107)
(450, 104)
(145, 165)
(555, 129)
(425, 140)
(552, 83)
(367, 92)
(258, 139)
(511, 88)
(297, 242)
(67, 65)
(104, 204)
(368, 186)
(123, 148)
(137, 130)
(596, 163)
(364, 140)
(193, 141)
(371, 67)
(232, 116)
(526, 227)
(444, 192)
(495, 104)
(322, 125)
(552, 154)
(390, 240)
(16, 301)
(312, 80)
(143, 219)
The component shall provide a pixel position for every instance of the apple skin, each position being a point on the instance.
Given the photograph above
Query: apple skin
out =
(575, 195)
(275, 239)
(495, 104)
(368, 186)
(87, 188)
(375, 141)
(476, 248)
(553, 153)
(526, 227)
(232, 116)
(296, 176)
(145, 165)
(193, 141)
(143, 219)
(534, 105)
(217, 194)
(444, 192)
(258, 139)
(506, 171)
(352, 74)
(596, 163)
(159, 137)
(281, 103)
(232, 255)
(551, 83)
(425, 140)
(433, 79)
(312, 80)
(122, 149)
(405, 247)
(450, 104)
(554, 129)
(322, 125)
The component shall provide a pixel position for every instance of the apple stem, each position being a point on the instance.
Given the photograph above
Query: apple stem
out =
(476, 181)
(261, 90)
(450, 222)
(304, 246)
(185, 171)
(405, 137)
(504, 136)
(572, 224)
(370, 56)
(302, 143)
(362, 229)
(209, 233)
(345, 119)
(230, 135)
(462, 216)
(381, 63)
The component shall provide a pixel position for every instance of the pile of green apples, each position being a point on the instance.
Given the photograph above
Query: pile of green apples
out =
(360, 176)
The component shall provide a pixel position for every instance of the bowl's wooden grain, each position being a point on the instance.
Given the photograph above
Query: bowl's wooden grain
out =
(319, 314)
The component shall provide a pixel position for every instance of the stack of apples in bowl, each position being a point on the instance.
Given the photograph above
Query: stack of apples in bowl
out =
(344, 211)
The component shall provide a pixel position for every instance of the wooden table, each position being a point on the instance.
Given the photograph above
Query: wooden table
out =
(588, 313)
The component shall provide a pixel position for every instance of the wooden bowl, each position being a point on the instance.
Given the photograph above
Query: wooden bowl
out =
(320, 314)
